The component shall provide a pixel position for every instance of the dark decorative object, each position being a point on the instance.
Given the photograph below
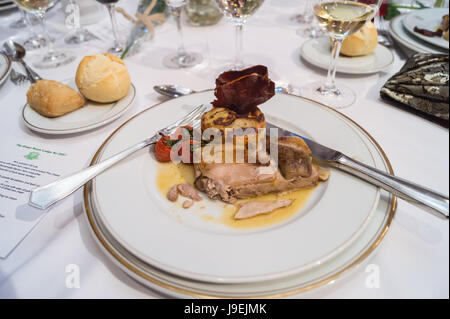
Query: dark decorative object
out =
(421, 86)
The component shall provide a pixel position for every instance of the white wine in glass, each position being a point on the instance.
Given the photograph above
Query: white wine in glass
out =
(53, 58)
(340, 19)
(238, 11)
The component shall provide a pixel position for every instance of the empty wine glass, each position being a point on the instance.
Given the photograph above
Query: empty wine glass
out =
(181, 58)
(118, 46)
(340, 19)
(308, 25)
(52, 58)
(79, 34)
(238, 11)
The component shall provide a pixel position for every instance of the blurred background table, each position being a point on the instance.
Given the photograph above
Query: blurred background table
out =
(413, 258)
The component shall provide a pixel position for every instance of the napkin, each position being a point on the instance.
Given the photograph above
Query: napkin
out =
(421, 87)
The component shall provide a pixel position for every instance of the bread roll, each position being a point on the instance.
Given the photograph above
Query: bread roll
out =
(103, 78)
(52, 99)
(362, 42)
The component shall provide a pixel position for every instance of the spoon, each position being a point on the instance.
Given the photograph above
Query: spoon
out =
(174, 91)
(17, 52)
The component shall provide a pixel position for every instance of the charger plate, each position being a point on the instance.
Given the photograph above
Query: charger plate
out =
(350, 232)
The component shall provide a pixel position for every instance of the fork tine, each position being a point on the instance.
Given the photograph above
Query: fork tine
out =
(195, 114)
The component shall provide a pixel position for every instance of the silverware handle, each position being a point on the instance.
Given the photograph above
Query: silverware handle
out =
(33, 76)
(436, 203)
(45, 196)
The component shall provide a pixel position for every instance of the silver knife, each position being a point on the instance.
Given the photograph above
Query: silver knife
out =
(433, 202)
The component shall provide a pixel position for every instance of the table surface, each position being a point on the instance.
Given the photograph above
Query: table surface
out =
(414, 256)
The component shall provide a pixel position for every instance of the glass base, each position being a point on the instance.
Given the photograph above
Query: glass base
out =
(19, 24)
(311, 32)
(35, 42)
(179, 61)
(78, 37)
(54, 60)
(302, 18)
(116, 49)
(338, 98)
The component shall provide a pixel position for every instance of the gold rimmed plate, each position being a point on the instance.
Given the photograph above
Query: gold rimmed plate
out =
(325, 273)
(196, 244)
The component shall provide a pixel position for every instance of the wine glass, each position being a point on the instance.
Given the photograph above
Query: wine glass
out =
(181, 58)
(309, 27)
(340, 19)
(21, 23)
(118, 46)
(238, 12)
(80, 34)
(53, 58)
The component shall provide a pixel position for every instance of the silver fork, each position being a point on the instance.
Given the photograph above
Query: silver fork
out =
(45, 196)
(18, 78)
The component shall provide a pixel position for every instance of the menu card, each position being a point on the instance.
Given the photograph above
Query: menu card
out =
(24, 167)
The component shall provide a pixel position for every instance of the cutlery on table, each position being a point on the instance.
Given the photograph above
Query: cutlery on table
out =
(45, 196)
(17, 52)
(18, 78)
(175, 91)
(433, 202)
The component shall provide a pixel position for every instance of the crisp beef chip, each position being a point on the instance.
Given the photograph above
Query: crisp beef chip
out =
(242, 91)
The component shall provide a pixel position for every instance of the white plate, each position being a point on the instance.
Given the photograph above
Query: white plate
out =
(427, 19)
(318, 53)
(325, 273)
(186, 244)
(7, 5)
(91, 116)
(401, 35)
(5, 68)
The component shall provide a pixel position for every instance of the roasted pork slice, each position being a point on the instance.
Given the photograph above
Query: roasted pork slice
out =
(229, 182)
(251, 209)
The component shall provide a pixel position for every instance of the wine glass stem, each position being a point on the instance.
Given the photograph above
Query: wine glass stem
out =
(50, 44)
(76, 20)
(238, 61)
(112, 15)
(176, 13)
(330, 84)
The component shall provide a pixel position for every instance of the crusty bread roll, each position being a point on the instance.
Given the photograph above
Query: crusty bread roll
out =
(103, 78)
(52, 99)
(362, 42)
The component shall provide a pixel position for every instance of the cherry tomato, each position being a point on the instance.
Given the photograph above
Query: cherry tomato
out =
(162, 150)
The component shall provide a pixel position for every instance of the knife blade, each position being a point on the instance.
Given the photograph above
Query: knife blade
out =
(432, 201)
(317, 150)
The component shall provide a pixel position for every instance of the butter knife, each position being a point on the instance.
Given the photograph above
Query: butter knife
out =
(433, 202)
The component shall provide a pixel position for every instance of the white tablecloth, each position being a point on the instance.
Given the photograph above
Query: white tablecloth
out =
(413, 258)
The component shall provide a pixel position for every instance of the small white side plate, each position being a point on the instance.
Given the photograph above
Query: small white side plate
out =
(427, 19)
(318, 53)
(5, 68)
(91, 116)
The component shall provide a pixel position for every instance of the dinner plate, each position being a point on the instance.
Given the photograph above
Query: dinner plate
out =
(325, 273)
(195, 244)
(7, 5)
(427, 19)
(401, 35)
(91, 116)
(5, 67)
(318, 52)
